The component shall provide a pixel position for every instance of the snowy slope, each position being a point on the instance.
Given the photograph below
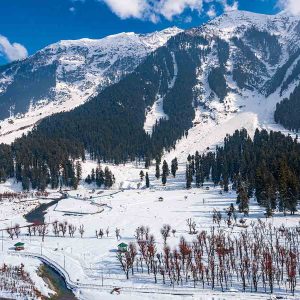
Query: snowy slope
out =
(251, 106)
(74, 70)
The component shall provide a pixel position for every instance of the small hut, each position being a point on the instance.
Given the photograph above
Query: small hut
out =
(123, 247)
(160, 199)
(19, 246)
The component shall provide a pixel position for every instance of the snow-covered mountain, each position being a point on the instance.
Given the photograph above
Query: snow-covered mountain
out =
(238, 63)
(230, 71)
(64, 75)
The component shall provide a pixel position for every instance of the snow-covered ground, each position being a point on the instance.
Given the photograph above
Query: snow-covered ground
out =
(91, 262)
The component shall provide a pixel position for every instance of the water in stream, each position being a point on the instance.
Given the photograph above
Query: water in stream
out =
(57, 282)
(37, 215)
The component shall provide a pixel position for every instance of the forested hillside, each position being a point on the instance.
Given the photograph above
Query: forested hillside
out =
(288, 111)
(110, 126)
(267, 167)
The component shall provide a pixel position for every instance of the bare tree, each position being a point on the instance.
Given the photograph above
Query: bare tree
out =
(81, 230)
(101, 233)
(10, 232)
(55, 228)
(118, 236)
(192, 226)
(17, 230)
(165, 232)
(63, 227)
(72, 229)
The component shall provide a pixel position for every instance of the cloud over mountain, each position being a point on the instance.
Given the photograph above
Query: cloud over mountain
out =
(154, 10)
(12, 51)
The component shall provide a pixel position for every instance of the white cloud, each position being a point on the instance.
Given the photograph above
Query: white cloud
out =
(172, 8)
(291, 6)
(152, 10)
(229, 7)
(12, 51)
(128, 8)
(211, 13)
(72, 9)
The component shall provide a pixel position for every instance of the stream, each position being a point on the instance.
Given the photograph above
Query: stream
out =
(56, 283)
(37, 214)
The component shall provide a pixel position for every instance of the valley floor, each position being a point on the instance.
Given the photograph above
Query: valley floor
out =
(90, 265)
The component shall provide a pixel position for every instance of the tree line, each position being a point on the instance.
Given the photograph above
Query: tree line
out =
(288, 110)
(267, 167)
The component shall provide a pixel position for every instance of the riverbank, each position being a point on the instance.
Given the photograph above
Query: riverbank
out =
(56, 283)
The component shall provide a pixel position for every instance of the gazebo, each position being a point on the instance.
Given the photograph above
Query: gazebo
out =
(19, 246)
(123, 247)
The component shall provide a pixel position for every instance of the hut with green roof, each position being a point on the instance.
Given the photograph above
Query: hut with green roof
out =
(123, 247)
(19, 246)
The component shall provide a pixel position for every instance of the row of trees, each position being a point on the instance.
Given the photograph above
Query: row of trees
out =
(262, 260)
(267, 167)
(37, 162)
(58, 229)
(101, 178)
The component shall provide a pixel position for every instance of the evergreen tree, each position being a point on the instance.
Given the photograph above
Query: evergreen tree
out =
(242, 198)
(93, 176)
(165, 172)
(78, 170)
(88, 179)
(147, 180)
(189, 176)
(108, 178)
(198, 170)
(142, 175)
(174, 167)
(157, 169)
(147, 162)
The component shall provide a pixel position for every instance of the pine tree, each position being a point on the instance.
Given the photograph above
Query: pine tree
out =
(198, 170)
(147, 162)
(147, 180)
(189, 176)
(165, 172)
(88, 179)
(242, 198)
(108, 178)
(157, 169)
(93, 176)
(78, 170)
(174, 167)
(142, 175)
(99, 176)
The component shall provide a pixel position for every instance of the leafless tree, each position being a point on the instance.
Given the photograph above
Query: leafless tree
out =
(72, 229)
(165, 232)
(55, 228)
(17, 230)
(10, 232)
(101, 233)
(118, 236)
(191, 225)
(63, 228)
(81, 230)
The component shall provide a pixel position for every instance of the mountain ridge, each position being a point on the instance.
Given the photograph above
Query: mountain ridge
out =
(224, 63)
(65, 74)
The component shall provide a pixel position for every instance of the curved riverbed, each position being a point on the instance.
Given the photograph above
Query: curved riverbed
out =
(56, 283)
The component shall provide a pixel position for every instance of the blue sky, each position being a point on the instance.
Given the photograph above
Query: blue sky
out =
(29, 25)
